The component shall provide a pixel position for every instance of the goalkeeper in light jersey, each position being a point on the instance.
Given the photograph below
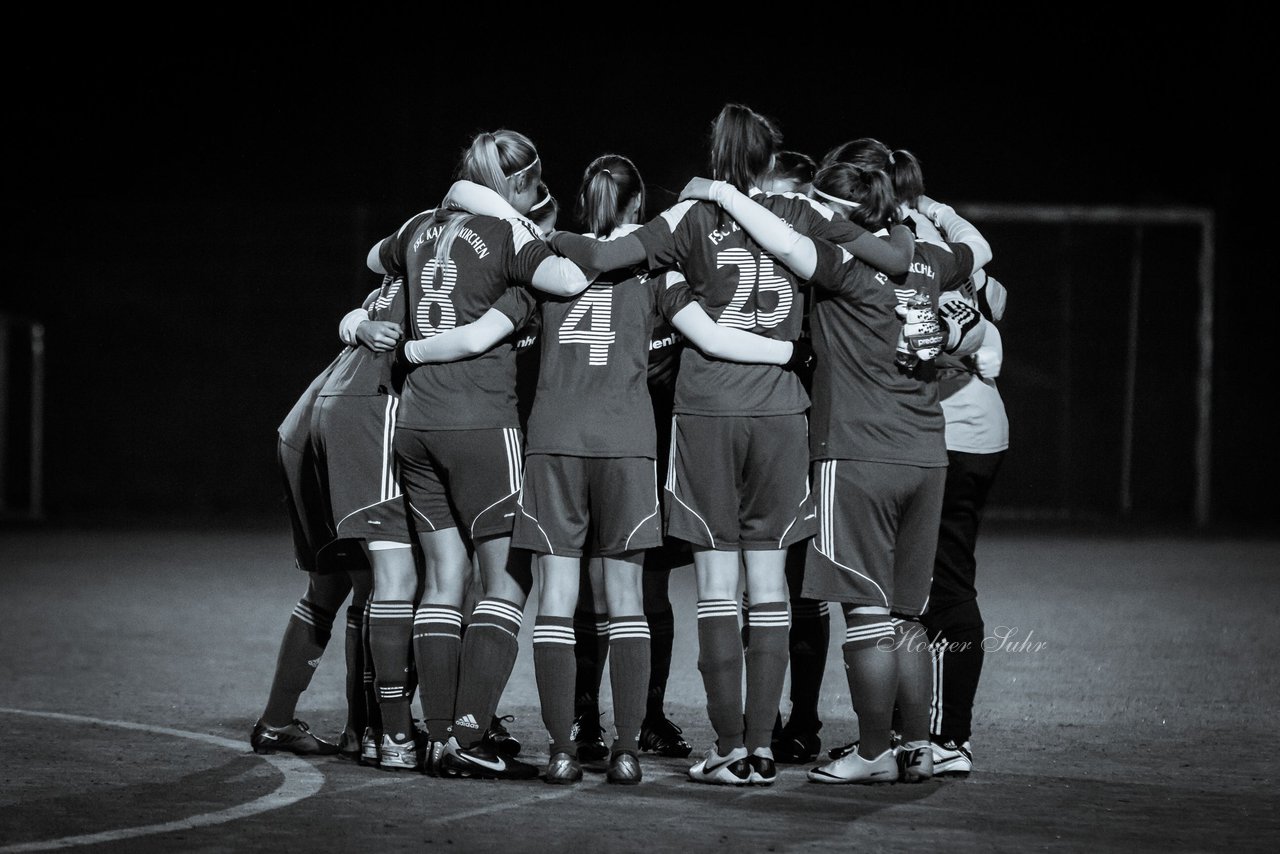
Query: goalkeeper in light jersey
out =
(877, 444)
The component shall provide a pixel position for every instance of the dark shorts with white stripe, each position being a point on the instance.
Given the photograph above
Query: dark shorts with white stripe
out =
(602, 506)
(877, 534)
(353, 437)
(465, 479)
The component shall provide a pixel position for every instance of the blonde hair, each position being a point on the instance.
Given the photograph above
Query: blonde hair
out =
(495, 160)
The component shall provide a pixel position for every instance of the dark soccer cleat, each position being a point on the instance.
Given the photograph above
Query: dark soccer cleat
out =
(482, 764)
(499, 740)
(587, 734)
(731, 770)
(951, 759)
(369, 747)
(763, 770)
(915, 761)
(624, 768)
(563, 768)
(349, 745)
(294, 738)
(432, 752)
(664, 738)
(797, 744)
(843, 750)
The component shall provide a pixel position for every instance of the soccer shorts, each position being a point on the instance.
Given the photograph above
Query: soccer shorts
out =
(601, 506)
(465, 479)
(353, 436)
(877, 534)
(739, 482)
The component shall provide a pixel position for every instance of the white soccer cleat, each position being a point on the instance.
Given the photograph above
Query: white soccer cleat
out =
(852, 768)
(915, 761)
(951, 759)
(731, 770)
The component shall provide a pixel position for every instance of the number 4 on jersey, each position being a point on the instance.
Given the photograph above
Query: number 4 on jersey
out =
(596, 308)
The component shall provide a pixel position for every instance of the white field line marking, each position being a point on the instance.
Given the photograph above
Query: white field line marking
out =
(301, 780)
(514, 804)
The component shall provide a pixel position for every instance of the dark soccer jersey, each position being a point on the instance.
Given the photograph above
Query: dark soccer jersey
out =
(487, 256)
(593, 394)
(293, 431)
(364, 372)
(743, 287)
(864, 406)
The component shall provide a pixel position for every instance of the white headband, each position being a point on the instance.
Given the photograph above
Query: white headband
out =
(836, 198)
(543, 203)
(536, 159)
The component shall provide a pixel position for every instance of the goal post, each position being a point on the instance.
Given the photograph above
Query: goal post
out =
(1140, 223)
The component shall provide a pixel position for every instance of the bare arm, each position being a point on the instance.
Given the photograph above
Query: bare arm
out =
(461, 342)
(731, 345)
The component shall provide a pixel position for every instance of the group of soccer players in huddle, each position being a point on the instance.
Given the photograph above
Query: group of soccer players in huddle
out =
(505, 398)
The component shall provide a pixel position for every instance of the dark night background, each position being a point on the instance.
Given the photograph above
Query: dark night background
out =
(190, 225)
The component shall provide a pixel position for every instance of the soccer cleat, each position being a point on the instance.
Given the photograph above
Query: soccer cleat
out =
(731, 770)
(624, 768)
(951, 759)
(915, 761)
(563, 768)
(480, 763)
(764, 771)
(587, 734)
(843, 750)
(432, 752)
(349, 745)
(499, 740)
(369, 747)
(797, 744)
(852, 768)
(293, 738)
(397, 755)
(664, 738)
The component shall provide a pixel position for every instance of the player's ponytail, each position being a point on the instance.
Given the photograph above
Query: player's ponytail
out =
(610, 185)
(743, 144)
(907, 176)
(504, 161)
(865, 194)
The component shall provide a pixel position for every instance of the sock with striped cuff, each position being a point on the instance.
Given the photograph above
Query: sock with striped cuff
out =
(766, 670)
(489, 650)
(720, 663)
(873, 678)
(553, 666)
(390, 639)
(437, 644)
(357, 710)
(629, 657)
(305, 637)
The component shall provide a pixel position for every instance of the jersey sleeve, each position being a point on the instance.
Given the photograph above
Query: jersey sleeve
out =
(956, 265)
(665, 242)
(833, 261)
(394, 249)
(526, 251)
(517, 304)
(674, 294)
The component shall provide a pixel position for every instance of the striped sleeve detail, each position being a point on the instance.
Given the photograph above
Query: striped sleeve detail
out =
(675, 213)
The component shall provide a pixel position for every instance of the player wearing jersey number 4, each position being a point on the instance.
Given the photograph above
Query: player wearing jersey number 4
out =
(737, 479)
(877, 445)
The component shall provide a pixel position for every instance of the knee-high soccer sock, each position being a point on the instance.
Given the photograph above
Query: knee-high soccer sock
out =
(489, 651)
(766, 670)
(305, 637)
(809, 639)
(357, 710)
(437, 644)
(553, 668)
(869, 661)
(720, 662)
(390, 639)
(370, 685)
(662, 633)
(915, 678)
(629, 657)
(591, 647)
(957, 667)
